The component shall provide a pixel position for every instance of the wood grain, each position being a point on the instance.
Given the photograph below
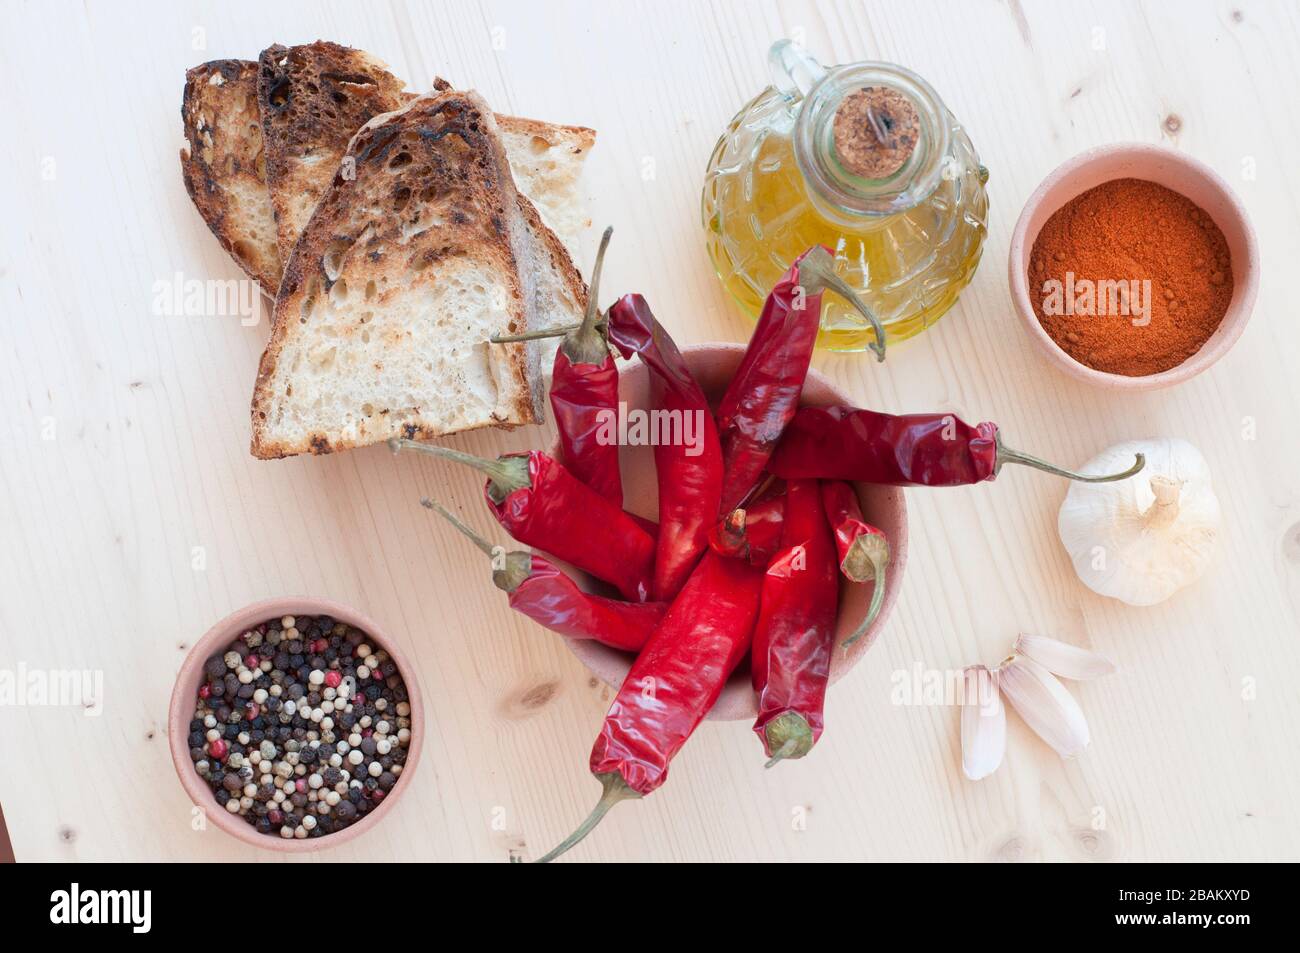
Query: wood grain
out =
(126, 460)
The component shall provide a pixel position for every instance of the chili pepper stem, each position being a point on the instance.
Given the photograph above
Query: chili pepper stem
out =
(818, 266)
(615, 789)
(509, 570)
(587, 345)
(506, 474)
(559, 331)
(788, 736)
(1007, 455)
(867, 560)
(475, 538)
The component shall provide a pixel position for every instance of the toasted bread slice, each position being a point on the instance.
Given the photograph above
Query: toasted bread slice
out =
(312, 100)
(221, 116)
(403, 272)
(222, 165)
(547, 161)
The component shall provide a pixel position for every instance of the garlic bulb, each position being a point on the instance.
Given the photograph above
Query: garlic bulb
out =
(1142, 539)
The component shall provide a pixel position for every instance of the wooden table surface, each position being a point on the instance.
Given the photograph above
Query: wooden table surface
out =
(134, 517)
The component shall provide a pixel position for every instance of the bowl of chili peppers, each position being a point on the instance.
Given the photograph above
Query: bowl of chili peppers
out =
(713, 367)
(716, 531)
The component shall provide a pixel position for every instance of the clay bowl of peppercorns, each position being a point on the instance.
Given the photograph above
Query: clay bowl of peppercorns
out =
(295, 723)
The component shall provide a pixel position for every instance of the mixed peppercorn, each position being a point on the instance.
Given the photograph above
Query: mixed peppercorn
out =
(301, 727)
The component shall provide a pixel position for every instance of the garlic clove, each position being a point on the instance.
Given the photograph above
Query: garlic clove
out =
(1061, 658)
(983, 723)
(1044, 704)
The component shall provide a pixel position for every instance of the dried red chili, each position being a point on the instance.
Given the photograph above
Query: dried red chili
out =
(795, 633)
(846, 443)
(764, 393)
(542, 505)
(584, 395)
(673, 683)
(863, 549)
(689, 469)
(752, 532)
(540, 590)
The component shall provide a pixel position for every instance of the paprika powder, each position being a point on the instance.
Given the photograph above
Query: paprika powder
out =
(1130, 277)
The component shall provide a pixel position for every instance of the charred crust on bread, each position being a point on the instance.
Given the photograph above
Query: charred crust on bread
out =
(312, 99)
(223, 145)
(402, 161)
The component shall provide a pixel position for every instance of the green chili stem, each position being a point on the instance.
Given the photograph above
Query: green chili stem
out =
(867, 560)
(509, 569)
(479, 541)
(586, 345)
(783, 752)
(559, 331)
(818, 266)
(615, 789)
(506, 474)
(873, 610)
(1007, 455)
(788, 736)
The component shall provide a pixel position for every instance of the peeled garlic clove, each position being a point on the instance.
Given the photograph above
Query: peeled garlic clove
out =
(1141, 540)
(1044, 704)
(983, 723)
(1061, 658)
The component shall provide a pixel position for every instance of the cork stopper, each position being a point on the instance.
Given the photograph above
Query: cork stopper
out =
(875, 131)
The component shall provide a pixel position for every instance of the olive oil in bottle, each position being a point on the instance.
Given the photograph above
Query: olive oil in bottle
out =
(864, 159)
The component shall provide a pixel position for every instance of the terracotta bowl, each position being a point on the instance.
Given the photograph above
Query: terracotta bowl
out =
(185, 693)
(713, 366)
(1175, 171)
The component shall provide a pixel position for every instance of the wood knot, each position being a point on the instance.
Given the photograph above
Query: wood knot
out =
(1291, 543)
(875, 131)
(1173, 124)
(1012, 850)
(1094, 844)
(527, 701)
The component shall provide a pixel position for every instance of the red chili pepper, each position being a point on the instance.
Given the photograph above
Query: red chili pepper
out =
(584, 397)
(752, 532)
(764, 393)
(688, 462)
(541, 591)
(795, 634)
(673, 683)
(542, 505)
(863, 549)
(845, 443)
